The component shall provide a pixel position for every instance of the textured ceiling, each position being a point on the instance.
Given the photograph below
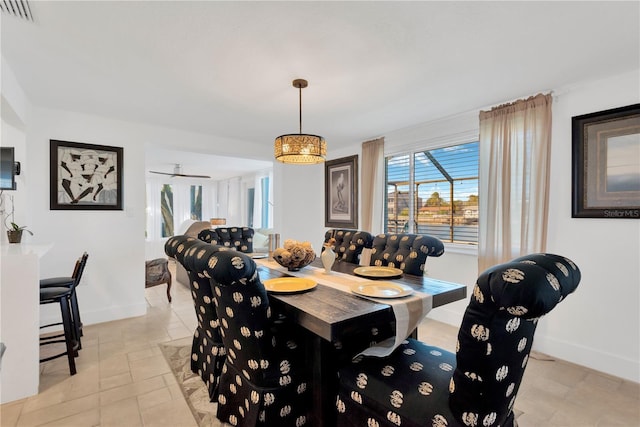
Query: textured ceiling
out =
(225, 68)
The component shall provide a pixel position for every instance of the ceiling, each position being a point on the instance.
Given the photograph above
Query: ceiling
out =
(225, 68)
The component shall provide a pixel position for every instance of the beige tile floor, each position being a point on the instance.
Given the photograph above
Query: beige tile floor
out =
(123, 379)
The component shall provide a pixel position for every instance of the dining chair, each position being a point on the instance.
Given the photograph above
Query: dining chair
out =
(420, 385)
(156, 272)
(348, 244)
(264, 378)
(207, 350)
(69, 282)
(62, 291)
(405, 251)
(238, 238)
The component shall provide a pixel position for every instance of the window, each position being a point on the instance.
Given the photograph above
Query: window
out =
(264, 202)
(196, 202)
(166, 210)
(434, 192)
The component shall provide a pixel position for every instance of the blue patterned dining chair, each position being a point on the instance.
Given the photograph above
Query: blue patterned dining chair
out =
(207, 350)
(422, 385)
(264, 378)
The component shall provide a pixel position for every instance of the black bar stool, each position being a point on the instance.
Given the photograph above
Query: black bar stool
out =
(69, 282)
(62, 290)
(62, 296)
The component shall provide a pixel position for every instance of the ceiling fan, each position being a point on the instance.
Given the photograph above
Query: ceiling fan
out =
(177, 171)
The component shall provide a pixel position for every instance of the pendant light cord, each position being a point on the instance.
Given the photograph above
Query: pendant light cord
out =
(300, 107)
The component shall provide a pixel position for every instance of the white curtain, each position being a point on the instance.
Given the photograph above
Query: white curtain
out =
(234, 202)
(259, 199)
(154, 216)
(515, 146)
(372, 186)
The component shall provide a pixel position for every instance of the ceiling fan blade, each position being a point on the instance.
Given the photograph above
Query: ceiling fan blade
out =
(190, 176)
(172, 174)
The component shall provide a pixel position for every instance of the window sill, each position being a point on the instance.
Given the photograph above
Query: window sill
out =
(457, 248)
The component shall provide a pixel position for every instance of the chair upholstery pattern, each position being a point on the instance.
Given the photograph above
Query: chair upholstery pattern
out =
(420, 385)
(207, 350)
(408, 252)
(264, 377)
(156, 272)
(348, 244)
(238, 238)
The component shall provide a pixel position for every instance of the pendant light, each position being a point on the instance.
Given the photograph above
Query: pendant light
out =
(300, 148)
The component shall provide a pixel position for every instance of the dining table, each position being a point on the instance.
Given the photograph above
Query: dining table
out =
(333, 310)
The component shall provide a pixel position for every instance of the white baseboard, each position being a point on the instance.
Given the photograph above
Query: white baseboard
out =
(107, 314)
(591, 358)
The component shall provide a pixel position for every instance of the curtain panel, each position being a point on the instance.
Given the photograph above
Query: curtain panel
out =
(372, 184)
(515, 146)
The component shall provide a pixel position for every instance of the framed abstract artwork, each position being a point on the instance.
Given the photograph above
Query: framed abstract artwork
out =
(341, 192)
(85, 176)
(606, 164)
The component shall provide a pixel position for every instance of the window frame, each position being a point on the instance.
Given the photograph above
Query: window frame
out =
(421, 147)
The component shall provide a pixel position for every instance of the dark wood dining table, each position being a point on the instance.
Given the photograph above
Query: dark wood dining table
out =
(332, 315)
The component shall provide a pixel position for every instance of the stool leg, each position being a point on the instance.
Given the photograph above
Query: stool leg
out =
(75, 314)
(169, 288)
(67, 324)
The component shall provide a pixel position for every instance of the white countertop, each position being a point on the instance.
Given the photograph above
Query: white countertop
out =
(11, 249)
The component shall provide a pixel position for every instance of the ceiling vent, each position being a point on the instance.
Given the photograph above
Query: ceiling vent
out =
(18, 8)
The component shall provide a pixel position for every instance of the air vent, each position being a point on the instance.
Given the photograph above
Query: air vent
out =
(18, 8)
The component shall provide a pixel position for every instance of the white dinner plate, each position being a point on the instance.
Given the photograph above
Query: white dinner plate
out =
(382, 290)
(289, 284)
(256, 255)
(374, 272)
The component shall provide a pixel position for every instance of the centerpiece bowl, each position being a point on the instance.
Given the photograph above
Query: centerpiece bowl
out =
(294, 255)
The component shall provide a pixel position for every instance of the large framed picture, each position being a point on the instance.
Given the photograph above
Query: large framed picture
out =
(341, 193)
(85, 176)
(606, 164)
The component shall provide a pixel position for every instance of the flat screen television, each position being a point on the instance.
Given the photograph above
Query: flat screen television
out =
(7, 168)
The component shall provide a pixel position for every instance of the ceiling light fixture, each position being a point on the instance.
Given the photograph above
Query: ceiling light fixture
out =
(300, 148)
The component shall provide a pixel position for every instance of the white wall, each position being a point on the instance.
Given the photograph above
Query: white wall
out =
(598, 326)
(113, 285)
(113, 282)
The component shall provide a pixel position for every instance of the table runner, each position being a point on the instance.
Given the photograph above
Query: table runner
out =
(408, 311)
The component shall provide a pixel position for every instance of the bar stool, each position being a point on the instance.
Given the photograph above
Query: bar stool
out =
(62, 290)
(69, 282)
(62, 296)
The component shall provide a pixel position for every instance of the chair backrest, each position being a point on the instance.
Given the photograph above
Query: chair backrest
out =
(79, 269)
(348, 244)
(238, 238)
(497, 331)
(186, 250)
(243, 308)
(407, 252)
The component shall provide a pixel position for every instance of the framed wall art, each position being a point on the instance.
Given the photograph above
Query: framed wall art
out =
(606, 164)
(85, 176)
(341, 192)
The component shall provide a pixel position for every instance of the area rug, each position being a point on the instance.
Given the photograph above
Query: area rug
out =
(178, 355)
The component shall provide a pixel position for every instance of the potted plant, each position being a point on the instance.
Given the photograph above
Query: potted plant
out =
(14, 234)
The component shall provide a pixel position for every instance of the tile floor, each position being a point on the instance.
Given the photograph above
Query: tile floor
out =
(123, 379)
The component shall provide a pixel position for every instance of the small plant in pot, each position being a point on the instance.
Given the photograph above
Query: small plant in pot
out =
(14, 234)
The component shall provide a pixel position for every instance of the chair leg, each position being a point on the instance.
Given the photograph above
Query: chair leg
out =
(67, 323)
(77, 323)
(169, 289)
